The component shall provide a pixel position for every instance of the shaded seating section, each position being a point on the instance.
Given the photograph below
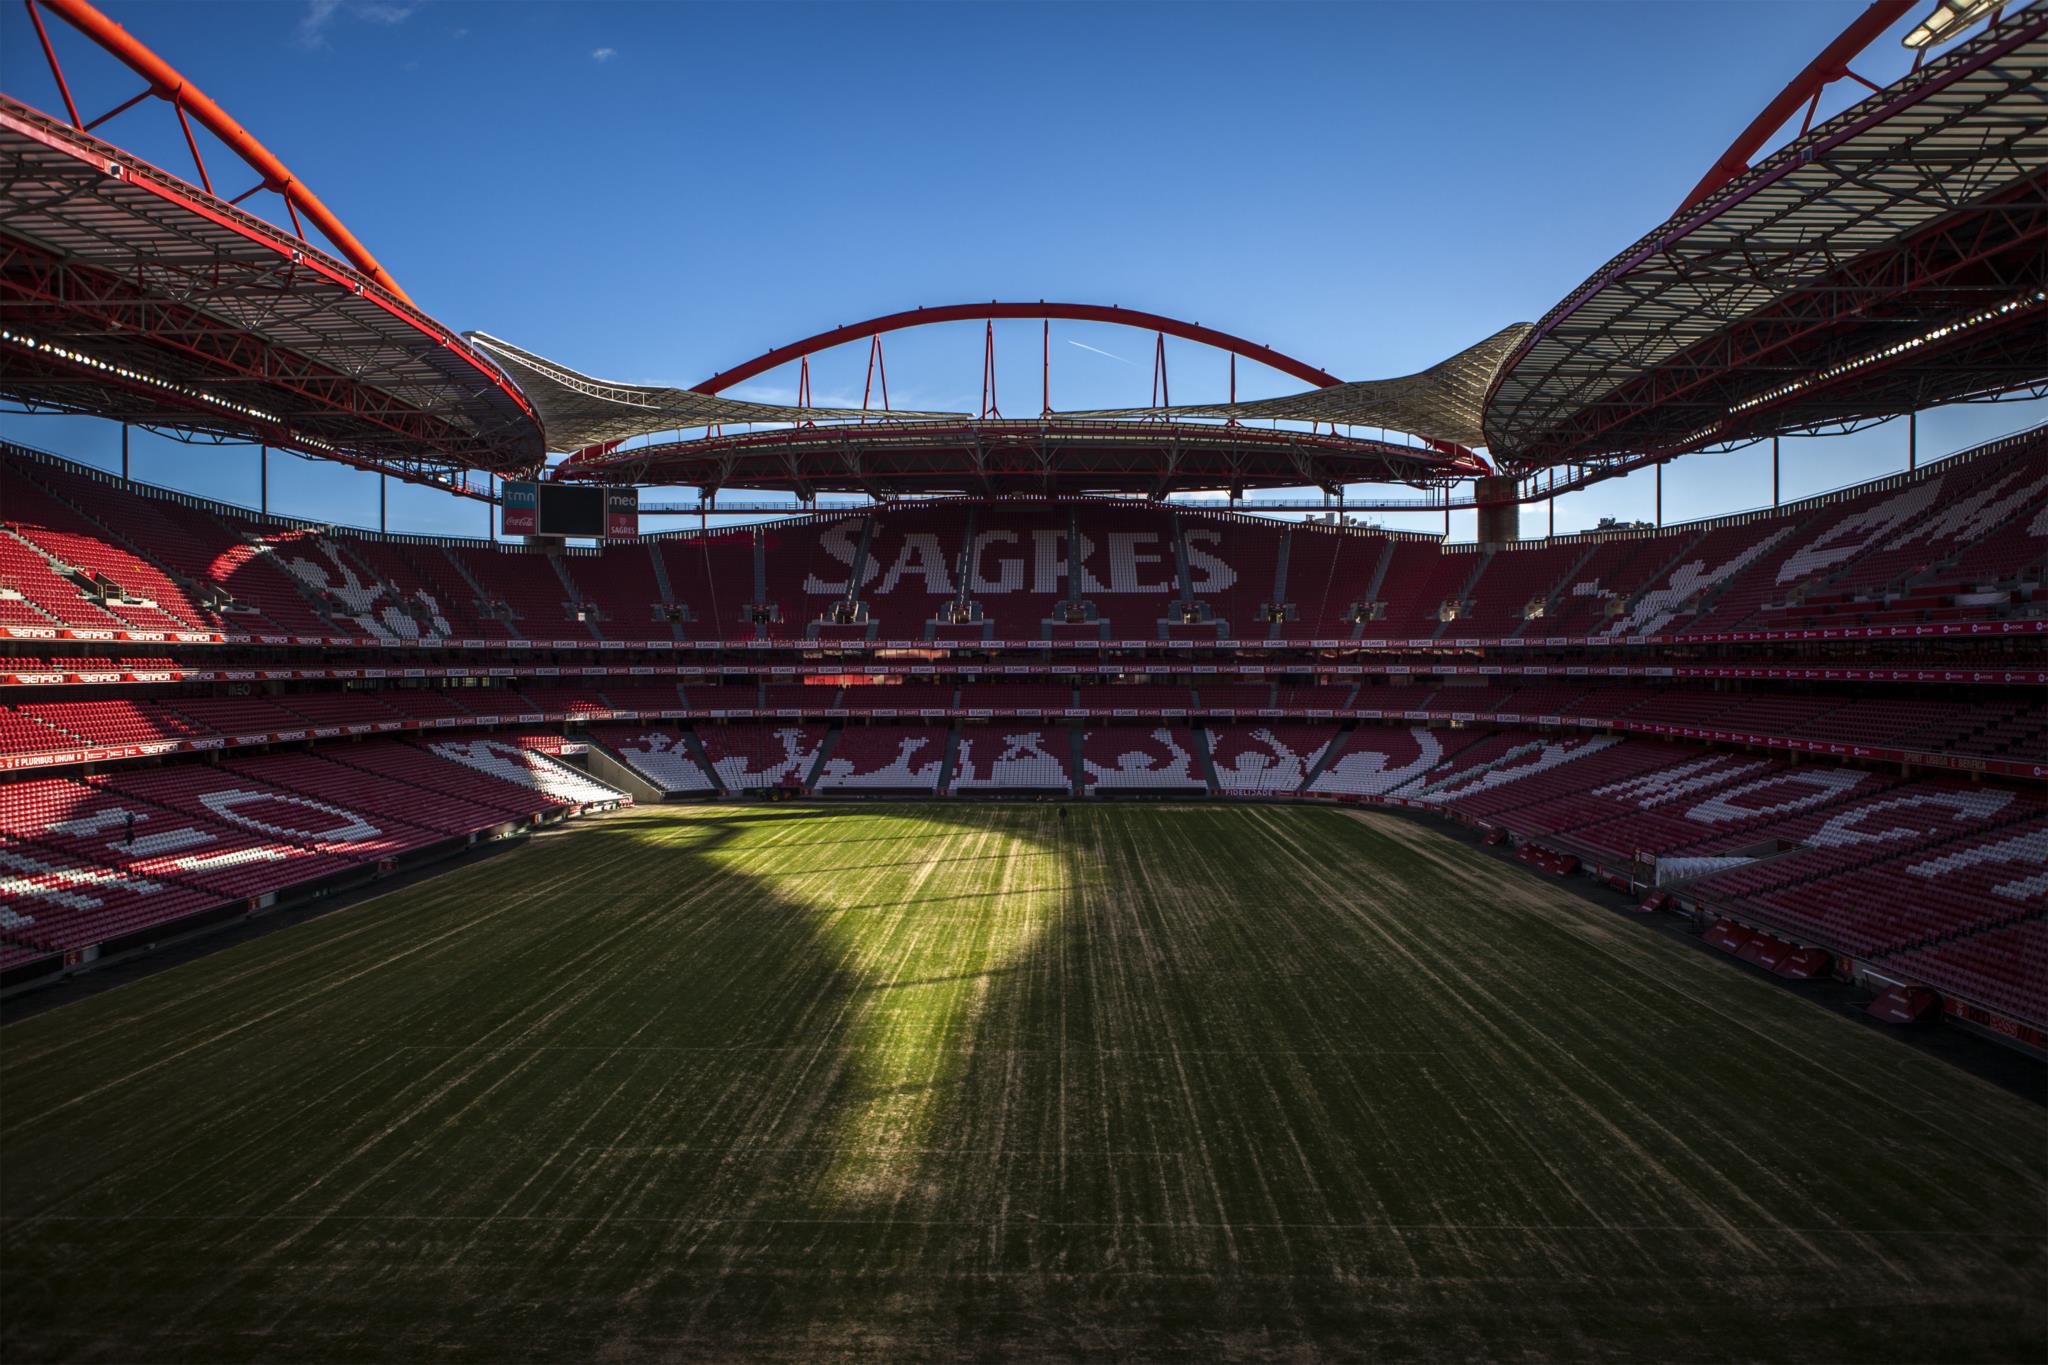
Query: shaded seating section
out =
(999, 756)
(117, 721)
(722, 696)
(1421, 582)
(1229, 696)
(1592, 595)
(620, 584)
(522, 594)
(898, 696)
(367, 585)
(1018, 695)
(1850, 849)
(643, 697)
(1713, 565)
(313, 774)
(1266, 759)
(1233, 566)
(1377, 760)
(1467, 782)
(761, 757)
(1515, 578)
(658, 753)
(885, 758)
(503, 793)
(2005, 968)
(352, 707)
(1126, 696)
(1137, 758)
(1328, 570)
(86, 862)
(712, 579)
(238, 715)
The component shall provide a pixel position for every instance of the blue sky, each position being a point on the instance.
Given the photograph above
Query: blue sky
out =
(654, 192)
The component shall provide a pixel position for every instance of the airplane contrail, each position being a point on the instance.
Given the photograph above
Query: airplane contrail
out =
(1098, 350)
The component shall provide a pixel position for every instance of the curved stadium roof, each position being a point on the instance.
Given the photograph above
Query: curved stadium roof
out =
(130, 294)
(1892, 258)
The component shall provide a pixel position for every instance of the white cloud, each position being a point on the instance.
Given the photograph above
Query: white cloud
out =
(603, 54)
(321, 14)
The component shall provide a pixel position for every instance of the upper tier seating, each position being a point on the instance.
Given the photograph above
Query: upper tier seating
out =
(1328, 572)
(230, 581)
(1959, 538)
(368, 587)
(620, 584)
(518, 591)
(711, 578)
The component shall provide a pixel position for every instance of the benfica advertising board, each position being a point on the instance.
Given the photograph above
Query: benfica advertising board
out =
(520, 509)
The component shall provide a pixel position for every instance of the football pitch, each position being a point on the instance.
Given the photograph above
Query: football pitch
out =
(945, 1081)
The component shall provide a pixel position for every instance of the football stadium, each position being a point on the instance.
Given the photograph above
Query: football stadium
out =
(1214, 875)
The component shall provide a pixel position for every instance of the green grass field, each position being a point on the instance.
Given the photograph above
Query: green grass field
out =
(950, 1081)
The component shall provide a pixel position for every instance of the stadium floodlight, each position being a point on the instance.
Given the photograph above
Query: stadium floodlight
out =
(1950, 18)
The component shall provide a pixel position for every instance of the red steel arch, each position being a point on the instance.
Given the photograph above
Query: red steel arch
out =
(166, 83)
(1824, 70)
(1057, 312)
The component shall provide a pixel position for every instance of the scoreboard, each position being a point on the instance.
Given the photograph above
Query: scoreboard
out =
(570, 511)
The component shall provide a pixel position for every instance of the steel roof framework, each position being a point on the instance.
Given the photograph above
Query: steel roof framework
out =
(1891, 258)
(129, 294)
(996, 456)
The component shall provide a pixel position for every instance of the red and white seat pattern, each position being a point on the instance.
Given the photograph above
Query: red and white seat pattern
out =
(1002, 756)
(661, 756)
(885, 758)
(759, 757)
(1266, 759)
(523, 767)
(1378, 760)
(1137, 759)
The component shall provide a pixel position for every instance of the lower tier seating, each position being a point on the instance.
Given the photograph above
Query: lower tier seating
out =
(885, 758)
(1008, 757)
(122, 854)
